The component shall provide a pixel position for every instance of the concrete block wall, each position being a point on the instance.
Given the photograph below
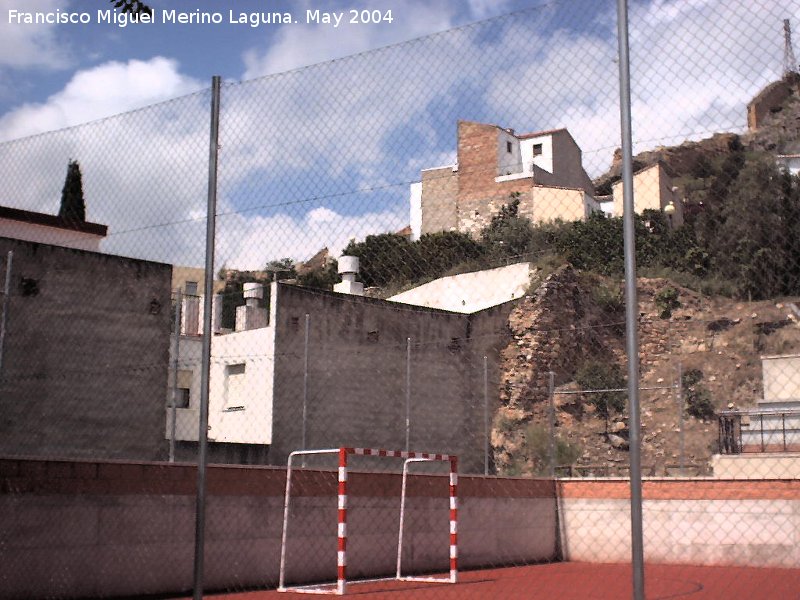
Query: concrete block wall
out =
(86, 354)
(356, 385)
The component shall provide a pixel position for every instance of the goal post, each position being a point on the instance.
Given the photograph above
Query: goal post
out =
(340, 586)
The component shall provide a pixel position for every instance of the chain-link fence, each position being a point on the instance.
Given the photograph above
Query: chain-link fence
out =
(418, 252)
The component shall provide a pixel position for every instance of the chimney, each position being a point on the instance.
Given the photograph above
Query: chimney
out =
(348, 269)
(251, 315)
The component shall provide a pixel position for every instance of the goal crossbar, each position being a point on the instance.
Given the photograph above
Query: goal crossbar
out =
(340, 586)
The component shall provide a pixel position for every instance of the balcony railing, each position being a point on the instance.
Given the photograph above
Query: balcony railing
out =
(755, 431)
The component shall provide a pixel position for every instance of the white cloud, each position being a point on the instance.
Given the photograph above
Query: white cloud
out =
(99, 92)
(307, 44)
(249, 242)
(25, 46)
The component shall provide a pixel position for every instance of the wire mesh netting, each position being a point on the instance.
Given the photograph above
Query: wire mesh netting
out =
(418, 249)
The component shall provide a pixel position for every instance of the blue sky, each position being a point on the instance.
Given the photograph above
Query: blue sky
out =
(315, 152)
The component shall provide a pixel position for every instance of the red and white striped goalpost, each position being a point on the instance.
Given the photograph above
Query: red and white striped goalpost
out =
(341, 561)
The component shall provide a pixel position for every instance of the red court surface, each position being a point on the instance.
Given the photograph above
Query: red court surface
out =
(578, 581)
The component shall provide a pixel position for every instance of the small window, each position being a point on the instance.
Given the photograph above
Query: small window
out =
(191, 288)
(537, 149)
(183, 398)
(236, 369)
(509, 147)
(373, 336)
(294, 323)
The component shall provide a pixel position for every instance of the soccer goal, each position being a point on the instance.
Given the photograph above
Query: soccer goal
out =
(339, 587)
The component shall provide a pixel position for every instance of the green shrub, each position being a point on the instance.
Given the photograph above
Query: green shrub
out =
(537, 438)
(667, 301)
(597, 375)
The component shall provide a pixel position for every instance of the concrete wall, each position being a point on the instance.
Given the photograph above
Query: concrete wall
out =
(357, 375)
(701, 522)
(438, 200)
(95, 529)
(756, 466)
(567, 165)
(86, 354)
(551, 203)
(781, 376)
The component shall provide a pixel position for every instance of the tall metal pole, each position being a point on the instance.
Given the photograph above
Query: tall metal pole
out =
(631, 301)
(211, 220)
(176, 356)
(408, 394)
(6, 294)
(551, 387)
(485, 415)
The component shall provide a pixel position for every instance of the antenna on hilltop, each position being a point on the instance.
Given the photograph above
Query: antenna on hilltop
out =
(789, 61)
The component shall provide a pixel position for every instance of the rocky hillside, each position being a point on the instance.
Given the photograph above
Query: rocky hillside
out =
(573, 317)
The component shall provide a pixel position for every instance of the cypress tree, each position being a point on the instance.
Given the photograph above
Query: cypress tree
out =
(73, 207)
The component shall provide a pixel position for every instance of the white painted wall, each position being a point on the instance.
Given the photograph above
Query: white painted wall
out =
(240, 404)
(508, 163)
(415, 200)
(753, 533)
(781, 378)
(43, 234)
(471, 292)
(544, 160)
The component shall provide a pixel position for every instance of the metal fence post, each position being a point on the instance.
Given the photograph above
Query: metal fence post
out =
(485, 415)
(551, 376)
(305, 385)
(200, 512)
(681, 434)
(6, 293)
(173, 409)
(408, 393)
(631, 301)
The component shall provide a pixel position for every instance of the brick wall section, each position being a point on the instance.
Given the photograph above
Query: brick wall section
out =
(696, 489)
(480, 197)
(86, 354)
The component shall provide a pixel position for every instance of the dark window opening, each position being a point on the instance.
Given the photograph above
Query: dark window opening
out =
(372, 336)
(537, 149)
(509, 147)
(29, 287)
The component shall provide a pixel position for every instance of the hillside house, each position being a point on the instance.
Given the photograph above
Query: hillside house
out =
(492, 163)
(652, 190)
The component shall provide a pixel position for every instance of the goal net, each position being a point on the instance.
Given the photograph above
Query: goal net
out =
(345, 458)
